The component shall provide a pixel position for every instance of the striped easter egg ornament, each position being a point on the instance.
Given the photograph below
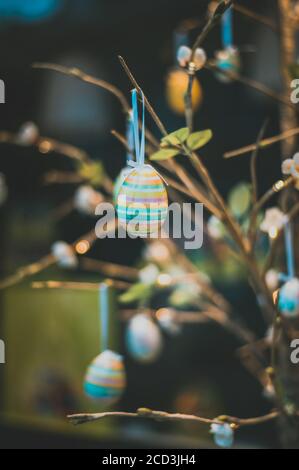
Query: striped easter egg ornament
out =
(142, 202)
(105, 378)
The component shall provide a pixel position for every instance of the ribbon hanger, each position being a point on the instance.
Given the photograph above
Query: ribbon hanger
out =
(104, 315)
(227, 29)
(138, 139)
(130, 136)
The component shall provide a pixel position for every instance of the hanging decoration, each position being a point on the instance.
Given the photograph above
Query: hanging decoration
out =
(105, 378)
(143, 338)
(223, 434)
(227, 59)
(142, 202)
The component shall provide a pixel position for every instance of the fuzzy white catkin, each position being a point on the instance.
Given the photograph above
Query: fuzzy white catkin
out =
(199, 58)
(149, 274)
(28, 134)
(64, 254)
(86, 199)
(184, 55)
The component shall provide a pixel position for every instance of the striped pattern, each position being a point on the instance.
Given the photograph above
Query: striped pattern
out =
(105, 379)
(142, 202)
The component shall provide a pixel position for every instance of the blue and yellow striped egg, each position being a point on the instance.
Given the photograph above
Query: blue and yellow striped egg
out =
(142, 202)
(105, 378)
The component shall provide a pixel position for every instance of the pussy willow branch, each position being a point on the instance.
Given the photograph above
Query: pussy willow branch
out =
(253, 162)
(109, 269)
(264, 143)
(275, 189)
(210, 65)
(122, 285)
(213, 20)
(47, 144)
(77, 73)
(163, 416)
(227, 218)
(188, 102)
(179, 317)
(146, 101)
(42, 264)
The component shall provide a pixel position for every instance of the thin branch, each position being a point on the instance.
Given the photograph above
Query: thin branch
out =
(256, 17)
(110, 269)
(213, 20)
(77, 285)
(26, 271)
(275, 189)
(264, 143)
(210, 65)
(253, 161)
(163, 416)
(146, 101)
(77, 73)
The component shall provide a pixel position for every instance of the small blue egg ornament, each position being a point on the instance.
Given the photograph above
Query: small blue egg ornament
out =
(105, 378)
(288, 301)
(143, 338)
(228, 60)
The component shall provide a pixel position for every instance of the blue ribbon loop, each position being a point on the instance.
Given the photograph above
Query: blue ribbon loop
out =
(227, 29)
(104, 315)
(288, 234)
(130, 136)
(139, 140)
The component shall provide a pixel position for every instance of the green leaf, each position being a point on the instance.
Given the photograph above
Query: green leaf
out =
(136, 292)
(199, 139)
(164, 154)
(176, 137)
(239, 199)
(92, 172)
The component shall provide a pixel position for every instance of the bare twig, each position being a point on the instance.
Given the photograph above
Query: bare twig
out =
(256, 17)
(77, 73)
(264, 143)
(164, 416)
(146, 101)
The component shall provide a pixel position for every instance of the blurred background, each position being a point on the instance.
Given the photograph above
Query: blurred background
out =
(51, 336)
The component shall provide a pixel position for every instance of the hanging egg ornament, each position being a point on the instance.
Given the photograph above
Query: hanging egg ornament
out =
(227, 60)
(223, 434)
(176, 86)
(143, 338)
(142, 202)
(105, 378)
(288, 301)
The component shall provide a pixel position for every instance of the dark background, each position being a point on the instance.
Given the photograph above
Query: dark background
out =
(90, 34)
